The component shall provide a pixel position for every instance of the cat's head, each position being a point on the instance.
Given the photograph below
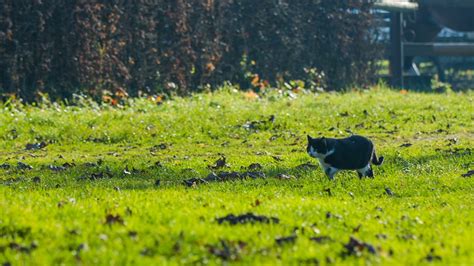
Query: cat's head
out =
(316, 146)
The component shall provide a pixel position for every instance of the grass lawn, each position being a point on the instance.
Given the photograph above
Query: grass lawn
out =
(108, 187)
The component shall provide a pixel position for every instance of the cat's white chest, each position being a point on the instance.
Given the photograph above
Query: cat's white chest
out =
(321, 158)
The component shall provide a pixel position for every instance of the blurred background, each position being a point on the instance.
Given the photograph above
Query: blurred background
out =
(125, 48)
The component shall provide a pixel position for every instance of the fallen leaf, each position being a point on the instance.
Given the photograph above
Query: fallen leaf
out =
(194, 181)
(453, 141)
(468, 174)
(432, 257)
(328, 190)
(277, 158)
(227, 250)
(133, 234)
(309, 261)
(321, 239)
(251, 95)
(272, 118)
(91, 164)
(356, 229)
(247, 218)
(255, 80)
(344, 114)
(284, 176)
(306, 166)
(257, 203)
(113, 219)
(407, 237)
(389, 191)
(356, 247)
(35, 146)
(225, 144)
(56, 168)
(23, 166)
(220, 163)
(224, 176)
(286, 240)
(360, 125)
(22, 248)
(161, 146)
(68, 165)
(255, 166)
(260, 124)
(98, 175)
(148, 252)
(61, 203)
(5, 166)
(330, 215)
(158, 99)
(254, 175)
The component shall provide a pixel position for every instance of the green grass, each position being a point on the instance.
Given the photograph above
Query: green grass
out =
(62, 218)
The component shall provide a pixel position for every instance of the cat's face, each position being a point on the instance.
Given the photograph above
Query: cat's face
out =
(317, 147)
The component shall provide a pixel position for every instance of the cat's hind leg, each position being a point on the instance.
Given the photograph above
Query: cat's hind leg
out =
(365, 171)
(370, 173)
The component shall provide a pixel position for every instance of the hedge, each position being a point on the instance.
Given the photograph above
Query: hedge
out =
(156, 46)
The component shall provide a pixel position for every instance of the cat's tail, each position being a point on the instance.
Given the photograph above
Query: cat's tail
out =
(375, 160)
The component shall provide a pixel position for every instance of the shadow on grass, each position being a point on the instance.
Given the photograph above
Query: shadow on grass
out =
(157, 176)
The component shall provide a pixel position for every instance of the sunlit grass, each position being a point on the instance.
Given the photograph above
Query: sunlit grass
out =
(54, 217)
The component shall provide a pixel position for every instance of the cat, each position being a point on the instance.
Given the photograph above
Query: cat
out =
(352, 153)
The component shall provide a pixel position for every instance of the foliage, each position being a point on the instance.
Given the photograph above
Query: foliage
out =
(106, 183)
(62, 48)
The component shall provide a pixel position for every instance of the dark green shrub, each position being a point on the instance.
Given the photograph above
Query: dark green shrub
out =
(65, 47)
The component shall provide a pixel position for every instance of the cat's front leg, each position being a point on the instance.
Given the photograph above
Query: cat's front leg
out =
(330, 172)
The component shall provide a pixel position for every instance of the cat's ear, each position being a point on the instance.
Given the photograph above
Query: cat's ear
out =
(309, 138)
(324, 142)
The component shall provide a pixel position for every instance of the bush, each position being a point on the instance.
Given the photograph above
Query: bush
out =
(65, 47)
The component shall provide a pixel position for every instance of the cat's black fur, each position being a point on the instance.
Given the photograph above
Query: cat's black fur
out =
(352, 153)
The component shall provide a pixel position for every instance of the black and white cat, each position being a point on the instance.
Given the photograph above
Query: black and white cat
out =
(352, 153)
